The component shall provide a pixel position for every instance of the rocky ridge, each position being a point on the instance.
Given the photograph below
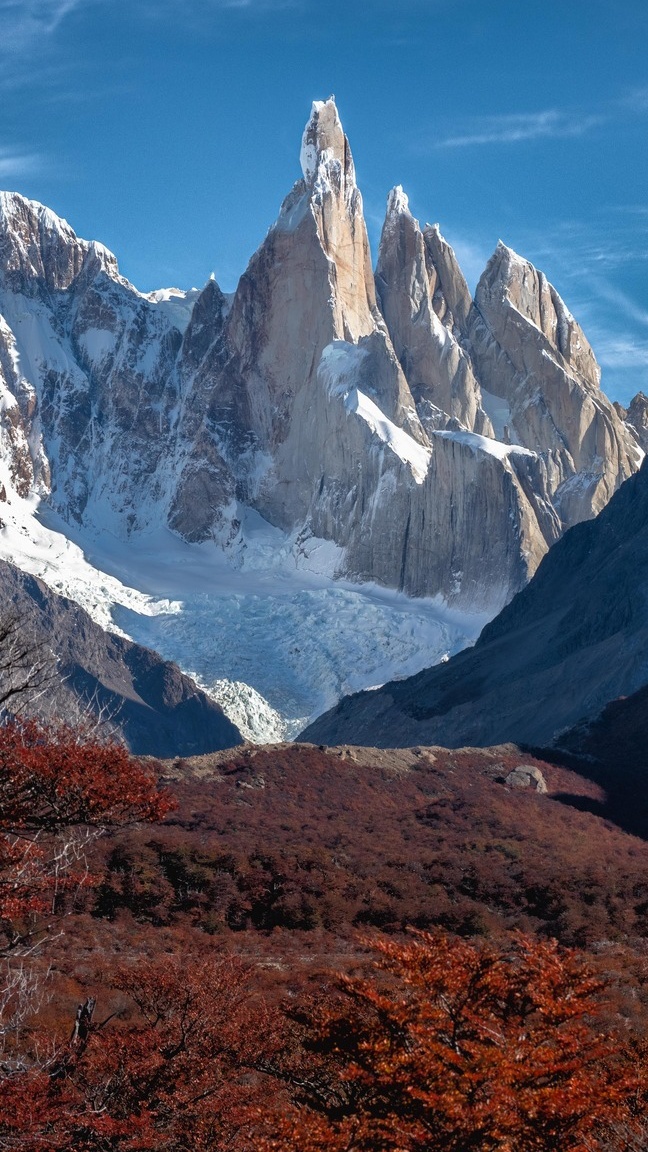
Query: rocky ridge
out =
(105, 680)
(636, 417)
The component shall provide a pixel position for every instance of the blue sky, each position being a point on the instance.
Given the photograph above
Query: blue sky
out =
(170, 131)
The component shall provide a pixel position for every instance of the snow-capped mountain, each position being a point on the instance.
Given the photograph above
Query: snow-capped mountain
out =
(389, 431)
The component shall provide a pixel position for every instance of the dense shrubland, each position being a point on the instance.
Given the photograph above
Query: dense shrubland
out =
(291, 950)
(300, 840)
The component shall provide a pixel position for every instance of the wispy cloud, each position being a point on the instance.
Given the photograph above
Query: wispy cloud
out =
(611, 294)
(620, 353)
(32, 30)
(256, 5)
(26, 21)
(199, 10)
(636, 101)
(518, 127)
(594, 248)
(639, 210)
(14, 164)
(28, 57)
(546, 124)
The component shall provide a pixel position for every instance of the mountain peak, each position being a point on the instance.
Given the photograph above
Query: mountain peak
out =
(508, 257)
(42, 246)
(398, 202)
(13, 205)
(324, 141)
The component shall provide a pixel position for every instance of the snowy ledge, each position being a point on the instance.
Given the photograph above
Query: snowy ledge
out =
(485, 444)
(339, 369)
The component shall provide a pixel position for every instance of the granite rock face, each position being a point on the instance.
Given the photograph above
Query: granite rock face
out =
(440, 444)
(302, 410)
(530, 354)
(636, 417)
(258, 401)
(425, 302)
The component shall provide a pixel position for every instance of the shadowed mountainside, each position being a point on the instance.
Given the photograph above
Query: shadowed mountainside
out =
(158, 710)
(575, 638)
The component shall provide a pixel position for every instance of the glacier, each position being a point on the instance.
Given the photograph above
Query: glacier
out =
(274, 642)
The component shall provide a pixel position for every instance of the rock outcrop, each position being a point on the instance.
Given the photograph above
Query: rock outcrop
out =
(525, 776)
(532, 356)
(636, 417)
(425, 301)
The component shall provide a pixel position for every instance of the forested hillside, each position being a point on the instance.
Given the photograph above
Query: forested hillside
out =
(297, 948)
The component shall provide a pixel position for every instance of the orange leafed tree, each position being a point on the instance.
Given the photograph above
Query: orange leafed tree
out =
(462, 1046)
(57, 790)
(185, 1067)
(53, 780)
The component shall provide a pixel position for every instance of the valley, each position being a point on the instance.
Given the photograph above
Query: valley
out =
(323, 577)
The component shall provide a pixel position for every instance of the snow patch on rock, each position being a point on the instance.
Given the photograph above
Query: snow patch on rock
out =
(407, 449)
(338, 368)
(485, 444)
(97, 343)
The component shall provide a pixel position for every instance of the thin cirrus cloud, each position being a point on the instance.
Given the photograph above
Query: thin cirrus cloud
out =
(24, 21)
(618, 334)
(621, 301)
(15, 164)
(621, 352)
(518, 127)
(636, 101)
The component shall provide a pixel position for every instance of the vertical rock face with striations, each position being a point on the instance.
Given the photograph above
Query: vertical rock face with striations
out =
(425, 302)
(441, 444)
(513, 364)
(304, 400)
(531, 355)
(258, 403)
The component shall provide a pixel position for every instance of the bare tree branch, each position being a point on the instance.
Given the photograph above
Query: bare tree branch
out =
(27, 664)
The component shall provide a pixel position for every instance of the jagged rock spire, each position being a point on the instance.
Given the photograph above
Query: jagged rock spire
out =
(303, 402)
(528, 351)
(324, 143)
(420, 319)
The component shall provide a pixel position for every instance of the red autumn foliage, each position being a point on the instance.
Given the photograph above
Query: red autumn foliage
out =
(299, 839)
(50, 777)
(462, 1046)
(57, 790)
(446, 1046)
(51, 780)
(184, 1067)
